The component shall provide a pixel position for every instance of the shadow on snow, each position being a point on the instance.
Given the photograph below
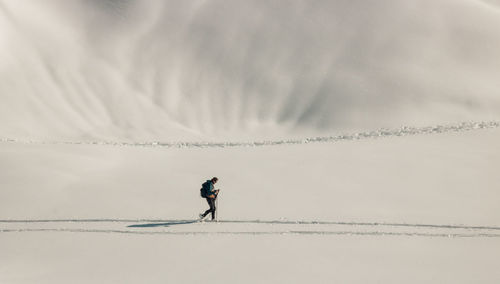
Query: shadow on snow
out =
(167, 224)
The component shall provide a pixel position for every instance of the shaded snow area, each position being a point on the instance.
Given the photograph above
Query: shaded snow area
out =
(201, 70)
(355, 141)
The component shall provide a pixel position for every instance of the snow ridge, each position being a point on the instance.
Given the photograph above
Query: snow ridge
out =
(403, 131)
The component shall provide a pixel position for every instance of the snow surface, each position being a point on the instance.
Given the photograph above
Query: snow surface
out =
(381, 210)
(354, 141)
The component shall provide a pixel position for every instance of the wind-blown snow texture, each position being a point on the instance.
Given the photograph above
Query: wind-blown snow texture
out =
(177, 70)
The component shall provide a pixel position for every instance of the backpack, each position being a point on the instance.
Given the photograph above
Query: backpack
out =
(205, 188)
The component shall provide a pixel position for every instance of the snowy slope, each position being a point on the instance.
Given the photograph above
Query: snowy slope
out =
(356, 141)
(170, 70)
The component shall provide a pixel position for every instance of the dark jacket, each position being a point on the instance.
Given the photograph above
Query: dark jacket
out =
(211, 188)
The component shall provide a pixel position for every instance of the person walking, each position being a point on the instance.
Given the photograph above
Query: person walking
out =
(209, 192)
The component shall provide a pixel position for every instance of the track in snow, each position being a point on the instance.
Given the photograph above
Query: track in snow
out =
(277, 222)
(246, 227)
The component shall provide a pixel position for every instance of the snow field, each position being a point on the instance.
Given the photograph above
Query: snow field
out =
(107, 258)
(408, 209)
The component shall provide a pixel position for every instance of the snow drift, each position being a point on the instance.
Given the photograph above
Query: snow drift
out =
(172, 70)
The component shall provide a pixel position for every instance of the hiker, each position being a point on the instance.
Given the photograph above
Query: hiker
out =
(210, 193)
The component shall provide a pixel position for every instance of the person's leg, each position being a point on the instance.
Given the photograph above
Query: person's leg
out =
(212, 208)
(209, 209)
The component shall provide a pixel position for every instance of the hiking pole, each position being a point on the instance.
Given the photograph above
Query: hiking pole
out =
(217, 207)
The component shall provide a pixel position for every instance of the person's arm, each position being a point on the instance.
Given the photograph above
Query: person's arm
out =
(213, 192)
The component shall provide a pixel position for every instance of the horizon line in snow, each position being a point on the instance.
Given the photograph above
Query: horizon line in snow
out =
(380, 133)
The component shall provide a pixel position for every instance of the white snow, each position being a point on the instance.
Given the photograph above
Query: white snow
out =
(346, 211)
(354, 141)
